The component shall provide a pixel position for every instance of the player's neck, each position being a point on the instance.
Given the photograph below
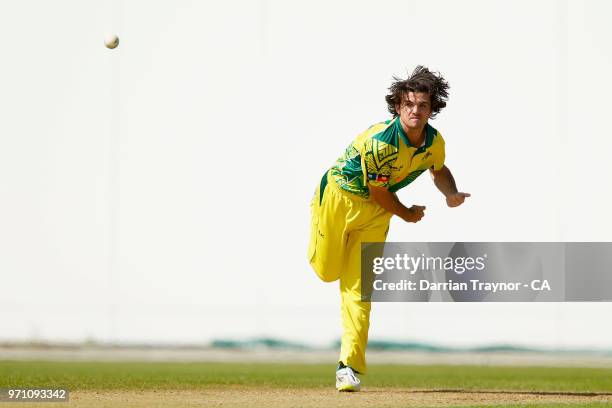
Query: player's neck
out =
(416, 136)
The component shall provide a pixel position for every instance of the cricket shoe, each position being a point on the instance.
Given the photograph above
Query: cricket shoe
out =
(346, 380)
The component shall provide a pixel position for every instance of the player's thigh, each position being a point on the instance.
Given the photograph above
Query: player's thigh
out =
(327, 249)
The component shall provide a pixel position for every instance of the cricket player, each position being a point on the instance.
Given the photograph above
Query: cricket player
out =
(356, 199)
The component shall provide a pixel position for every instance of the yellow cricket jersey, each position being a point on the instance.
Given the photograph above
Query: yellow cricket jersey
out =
(383, 156)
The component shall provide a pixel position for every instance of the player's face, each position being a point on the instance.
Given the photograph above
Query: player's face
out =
(415, 110)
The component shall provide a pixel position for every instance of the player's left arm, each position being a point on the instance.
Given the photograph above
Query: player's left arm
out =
(445, 182)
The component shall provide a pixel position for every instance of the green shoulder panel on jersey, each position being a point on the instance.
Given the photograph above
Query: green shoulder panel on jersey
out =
(430, 134)
(389, 134)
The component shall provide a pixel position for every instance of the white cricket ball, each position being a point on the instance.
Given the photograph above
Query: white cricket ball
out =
(111, 41)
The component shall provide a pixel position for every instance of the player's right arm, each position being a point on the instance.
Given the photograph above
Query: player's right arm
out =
(391, 203)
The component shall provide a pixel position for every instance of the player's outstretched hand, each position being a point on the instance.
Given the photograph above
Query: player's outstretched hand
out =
(455, 200)
(416, 212)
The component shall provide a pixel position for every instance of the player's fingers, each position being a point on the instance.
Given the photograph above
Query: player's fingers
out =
(466, 194)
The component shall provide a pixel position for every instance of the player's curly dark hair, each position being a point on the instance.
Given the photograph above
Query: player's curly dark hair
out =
(421, 80)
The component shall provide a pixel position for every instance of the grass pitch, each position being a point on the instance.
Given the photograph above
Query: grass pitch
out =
(280, 385)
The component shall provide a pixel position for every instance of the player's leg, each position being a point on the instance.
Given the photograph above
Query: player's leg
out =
(355, 313)
(326, 251)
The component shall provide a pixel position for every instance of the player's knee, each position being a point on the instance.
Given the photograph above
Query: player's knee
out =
(325, 274)
(328, 278)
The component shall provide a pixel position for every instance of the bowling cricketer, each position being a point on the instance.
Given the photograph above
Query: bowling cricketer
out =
(356, 199)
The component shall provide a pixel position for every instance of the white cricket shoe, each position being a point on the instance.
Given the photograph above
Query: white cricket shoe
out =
(346, 380)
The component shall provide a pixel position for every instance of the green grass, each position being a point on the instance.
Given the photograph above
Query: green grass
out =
(149, 376)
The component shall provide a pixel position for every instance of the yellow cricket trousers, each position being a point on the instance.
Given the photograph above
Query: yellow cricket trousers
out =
(341, 221)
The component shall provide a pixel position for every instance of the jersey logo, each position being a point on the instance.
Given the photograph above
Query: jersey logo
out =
(378, 177)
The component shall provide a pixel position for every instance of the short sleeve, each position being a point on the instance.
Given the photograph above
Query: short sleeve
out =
(440, 153)
(378, 158)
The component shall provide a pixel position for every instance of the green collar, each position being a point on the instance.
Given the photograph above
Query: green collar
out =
(430, 132)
